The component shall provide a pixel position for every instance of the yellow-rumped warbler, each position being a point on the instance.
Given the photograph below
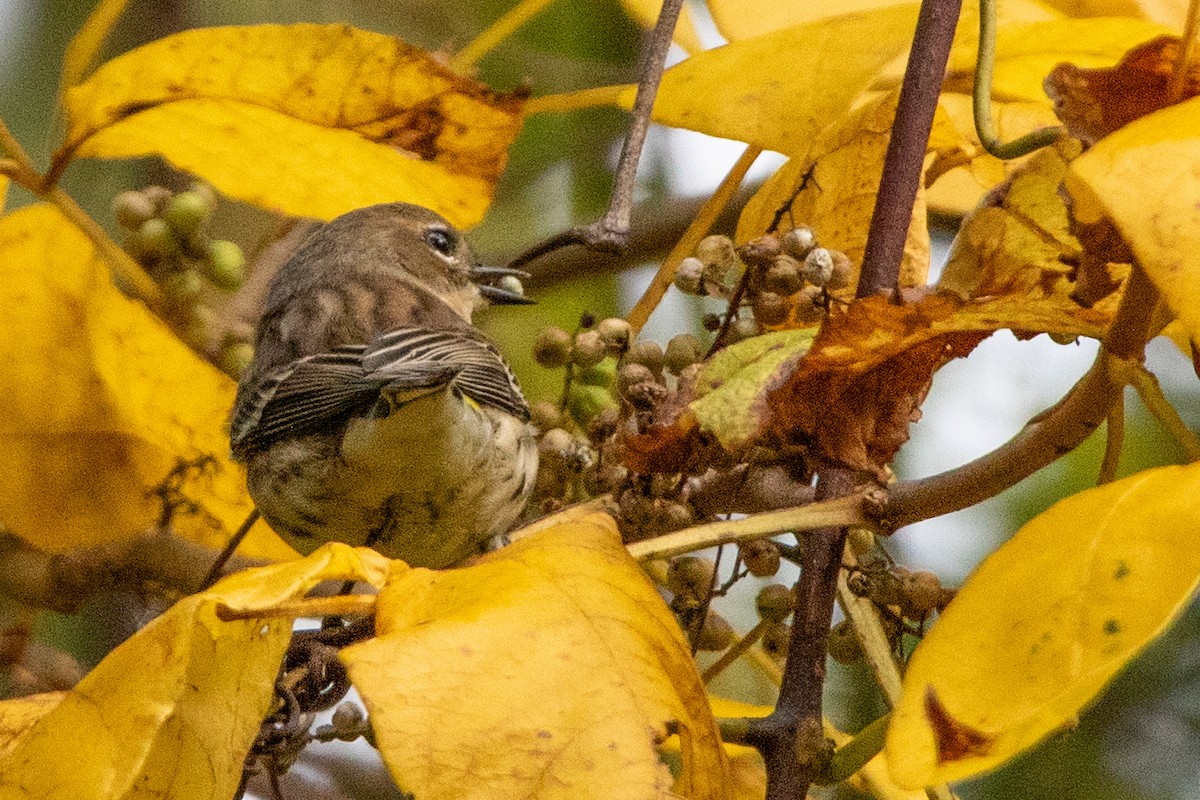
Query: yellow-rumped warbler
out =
(373, 412)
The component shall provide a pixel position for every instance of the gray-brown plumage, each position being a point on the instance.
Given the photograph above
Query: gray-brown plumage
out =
(373, 412)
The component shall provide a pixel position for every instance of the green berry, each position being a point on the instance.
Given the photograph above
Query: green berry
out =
(602, 374)
(186, 212)
(552, 348)
(183, 287)
(235, 358)
(205, 193)
(585, 402)
(226, 264)
(153, 241)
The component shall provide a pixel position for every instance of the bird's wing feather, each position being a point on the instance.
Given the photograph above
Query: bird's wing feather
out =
(482, 373)
(303, 397)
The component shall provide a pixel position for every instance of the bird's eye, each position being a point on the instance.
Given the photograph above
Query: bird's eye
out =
(441, 240)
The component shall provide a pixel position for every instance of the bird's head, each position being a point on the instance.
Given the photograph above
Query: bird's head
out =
(421, 248)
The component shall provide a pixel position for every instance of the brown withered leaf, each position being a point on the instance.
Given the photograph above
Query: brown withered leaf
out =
(1093, 103)
(854, 395)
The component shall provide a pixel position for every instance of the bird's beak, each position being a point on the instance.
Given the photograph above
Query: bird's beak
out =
(483, 277)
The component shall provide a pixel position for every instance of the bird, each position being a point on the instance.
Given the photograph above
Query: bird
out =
(373, 411)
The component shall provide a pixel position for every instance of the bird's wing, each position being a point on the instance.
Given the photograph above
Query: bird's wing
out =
(481, 372)
(303, 397)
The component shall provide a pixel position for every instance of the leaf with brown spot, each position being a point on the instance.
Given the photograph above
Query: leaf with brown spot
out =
(1093, 103)
(955, 740)
(313, 120)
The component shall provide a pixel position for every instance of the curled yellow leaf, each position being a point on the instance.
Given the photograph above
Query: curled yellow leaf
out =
(1045, 623)
(1146, 178)
(312, 120)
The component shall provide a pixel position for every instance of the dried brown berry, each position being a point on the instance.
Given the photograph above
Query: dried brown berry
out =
(615, 333)
(799, 241)
(843, 271)
(760, 251)
(771, 309)
(545, 415)
(682, 351)
(603, 425)
(552, 348)
(648, 354)
(588, 349)
(715, 633)
(761, 557)
(717, 250)
(818, 266)
(689, 276)
(691, 576)
(783, 276)
(631, 374)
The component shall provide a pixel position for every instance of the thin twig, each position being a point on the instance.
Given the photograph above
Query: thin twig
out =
(610, 233)
(1152, 397)
(838, 511)
(496, 33)
(735, 652)
(1047, 437)
(985, 62)
(1114, 440)
(701, 225)
(214, 572)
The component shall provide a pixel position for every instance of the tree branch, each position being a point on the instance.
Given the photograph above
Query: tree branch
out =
(1048, 436)
(610, 233)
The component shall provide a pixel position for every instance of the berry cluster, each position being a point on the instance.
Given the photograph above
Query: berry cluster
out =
(611, 382)
(785, 280)
(167, 233)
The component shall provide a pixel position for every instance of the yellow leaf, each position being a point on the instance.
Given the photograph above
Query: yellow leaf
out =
(744, 19)
(20, 713)
(831, 187)
(554, 663)
(779, 90)
(963, 172)
(1025, 53)
(1045, 623)
(172, 712)
(101, 402)
(645, 12)
(312, 120)
(1146, 178)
